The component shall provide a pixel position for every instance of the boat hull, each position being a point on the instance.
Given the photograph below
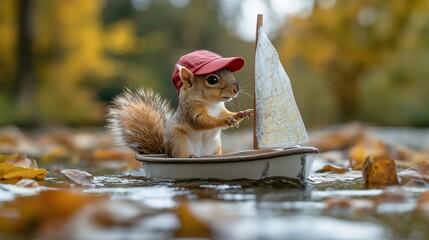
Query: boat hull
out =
(294, 163)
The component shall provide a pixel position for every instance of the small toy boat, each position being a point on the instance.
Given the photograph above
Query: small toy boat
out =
(294, 163)
(278, 128)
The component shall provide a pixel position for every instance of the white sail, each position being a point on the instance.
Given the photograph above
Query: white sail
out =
(278, 121)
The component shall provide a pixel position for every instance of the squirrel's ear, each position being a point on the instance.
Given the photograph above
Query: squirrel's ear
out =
(187, 76)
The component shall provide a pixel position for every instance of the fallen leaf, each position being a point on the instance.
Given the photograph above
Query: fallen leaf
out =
(80, 177)
(332, 169)
(190, 225)
(364, 148)
(27, 183)
(379, 171)
(417, 175)
(9, 171)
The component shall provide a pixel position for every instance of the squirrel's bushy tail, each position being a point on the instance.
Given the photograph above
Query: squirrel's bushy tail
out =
(136, 119)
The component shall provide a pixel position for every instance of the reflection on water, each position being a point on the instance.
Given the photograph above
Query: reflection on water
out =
(327, 206)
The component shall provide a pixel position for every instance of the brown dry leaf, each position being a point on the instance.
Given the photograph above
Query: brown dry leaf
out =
(191, 226)
(9, 171)
(379, 171)
(417, 175)
(79, 177)
(364, 148)
(29, 213)
(332, 169)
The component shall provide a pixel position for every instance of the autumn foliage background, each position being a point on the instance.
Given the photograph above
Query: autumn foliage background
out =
(61, 62)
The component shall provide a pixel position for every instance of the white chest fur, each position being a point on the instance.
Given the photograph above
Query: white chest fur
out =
(205, 142)
(214, 110)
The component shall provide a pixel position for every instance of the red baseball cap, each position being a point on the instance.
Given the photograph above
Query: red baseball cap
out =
(202, 62)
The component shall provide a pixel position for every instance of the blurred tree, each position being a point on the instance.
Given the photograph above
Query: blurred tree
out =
(344, 40)
(82, 53)
(8, 43)
(71, 55)
(25, 80)
(165, 31)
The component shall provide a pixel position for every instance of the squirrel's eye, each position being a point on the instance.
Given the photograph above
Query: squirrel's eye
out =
(212, 79)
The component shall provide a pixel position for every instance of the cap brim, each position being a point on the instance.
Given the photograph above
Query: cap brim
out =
(232, 64)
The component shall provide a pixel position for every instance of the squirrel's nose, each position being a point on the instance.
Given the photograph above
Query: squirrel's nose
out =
(235, 88)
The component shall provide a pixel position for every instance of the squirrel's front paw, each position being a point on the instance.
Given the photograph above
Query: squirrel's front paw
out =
(243, 114)
(247, 113)
(232, 122)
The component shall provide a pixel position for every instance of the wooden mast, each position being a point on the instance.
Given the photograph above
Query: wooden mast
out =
(259, 23)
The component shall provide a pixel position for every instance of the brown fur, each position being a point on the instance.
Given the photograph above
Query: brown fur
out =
(137, 119)
(143, 121)
(193, 116)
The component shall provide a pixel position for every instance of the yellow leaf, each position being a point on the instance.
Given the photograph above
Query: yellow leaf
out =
(9, 171)
(379, 171)
(191, 226)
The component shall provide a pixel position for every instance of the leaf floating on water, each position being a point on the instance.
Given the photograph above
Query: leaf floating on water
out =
(9, 171)
(379, 171)
(417, 175)
(332, 169)
(27, 183)
(191, 226)
(80, 177)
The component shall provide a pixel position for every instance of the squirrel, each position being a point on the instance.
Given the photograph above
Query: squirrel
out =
(145, 122)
